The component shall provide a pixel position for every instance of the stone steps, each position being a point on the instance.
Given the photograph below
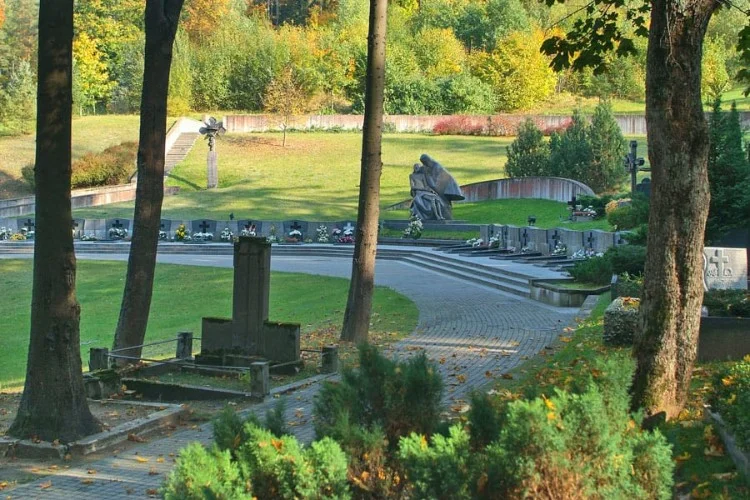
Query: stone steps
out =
(515, 282)
(499, 279)
(179, 150)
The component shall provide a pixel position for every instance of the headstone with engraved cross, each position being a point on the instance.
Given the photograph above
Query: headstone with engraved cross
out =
(203, 230)
(294, 231)
(117, 229)
(724, 268)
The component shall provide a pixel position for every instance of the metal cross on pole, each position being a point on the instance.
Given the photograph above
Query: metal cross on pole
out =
(211, 130)
(633, 164)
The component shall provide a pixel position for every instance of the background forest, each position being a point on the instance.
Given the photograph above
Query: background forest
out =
(444, 57)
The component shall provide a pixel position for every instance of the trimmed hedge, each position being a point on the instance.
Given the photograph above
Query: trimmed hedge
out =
(112, 166)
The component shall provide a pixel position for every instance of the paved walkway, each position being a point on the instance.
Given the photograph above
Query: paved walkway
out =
(476, 332)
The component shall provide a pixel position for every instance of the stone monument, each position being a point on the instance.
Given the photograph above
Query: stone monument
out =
(211, 130)
(248, 336)
(433, 190)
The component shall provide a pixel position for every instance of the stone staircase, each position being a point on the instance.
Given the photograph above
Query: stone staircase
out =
(180, 150)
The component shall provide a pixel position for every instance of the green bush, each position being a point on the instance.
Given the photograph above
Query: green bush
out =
(528, 154)
(484, 420)
(583, 445)
(630, 216)
(596, 270)
(727, 303)
(27, 173)
(731, 399)
(399, 397)
(628, 285)
(112, 166)
(629, 259)
(280, 468)
(598, 203)
(200, 473)
(637, 236)
(439, 470)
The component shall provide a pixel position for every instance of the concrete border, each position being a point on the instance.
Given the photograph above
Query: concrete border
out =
(740, 458)
(169, 414)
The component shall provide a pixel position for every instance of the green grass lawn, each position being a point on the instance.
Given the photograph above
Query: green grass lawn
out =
(316, 176)
(549, 214)
(316, 302)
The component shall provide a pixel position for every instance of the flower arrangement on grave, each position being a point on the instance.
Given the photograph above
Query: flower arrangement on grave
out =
(200, 236)
(475, 242)
(28, 233)
(248, 230)
(5, 233)
(89, 237)
(294, 236)
(495, 241)
(117, 233)
(525, 249)
(272, 238)
(347, 236)
(182, 233)
(227, 235)
(162, 234)
(560, 249)
(414, 228)
(586, 253)
(17, 237)
(322, 234)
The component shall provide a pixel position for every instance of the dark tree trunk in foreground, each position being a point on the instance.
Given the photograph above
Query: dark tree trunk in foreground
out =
(53, 405)
(161, 26)
(666, 344)
(359, 303)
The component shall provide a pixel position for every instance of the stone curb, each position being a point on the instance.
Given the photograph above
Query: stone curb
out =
(6, 445)
(97, 442)
(740, 458)
(169, 415)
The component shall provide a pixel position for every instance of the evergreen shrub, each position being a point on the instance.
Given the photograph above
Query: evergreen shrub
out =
(596, 270)
(528, 155)
(201, 473)
(399, 397)
(630, 216)
(579, 445)
(629, 259)
(442, 469)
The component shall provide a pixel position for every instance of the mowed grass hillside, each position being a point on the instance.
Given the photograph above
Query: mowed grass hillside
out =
(316, 302)
(90, 134)
(316, 176)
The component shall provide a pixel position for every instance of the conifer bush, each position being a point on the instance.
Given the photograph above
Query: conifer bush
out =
(529, 154)
(399, 397)
(442, 469)
(200, 473)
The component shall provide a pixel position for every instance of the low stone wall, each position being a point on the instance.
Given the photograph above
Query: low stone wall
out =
(80, 198)
(544, 188)
(723, 339)
(629, 124)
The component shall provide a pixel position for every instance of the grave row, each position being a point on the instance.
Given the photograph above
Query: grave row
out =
(117, 229)
(545, 241)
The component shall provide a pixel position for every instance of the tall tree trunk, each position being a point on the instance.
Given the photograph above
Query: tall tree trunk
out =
(53, 405)
(359, 303)
(666, 345)
(161, 18)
